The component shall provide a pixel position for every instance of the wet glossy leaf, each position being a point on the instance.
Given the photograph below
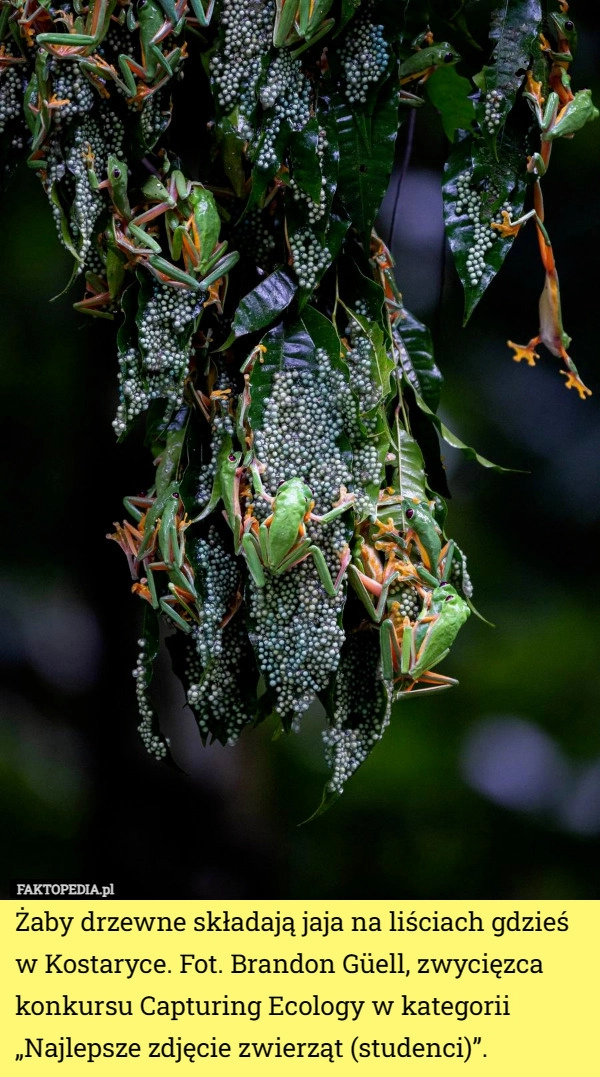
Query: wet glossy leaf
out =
(412, 468)
(476, 189)
(286, 348)
(514, 28)
(306, 168)
(264, 303)
(416, 358)
(365, 167)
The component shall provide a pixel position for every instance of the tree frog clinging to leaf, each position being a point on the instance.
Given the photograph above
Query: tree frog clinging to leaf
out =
(281, 542)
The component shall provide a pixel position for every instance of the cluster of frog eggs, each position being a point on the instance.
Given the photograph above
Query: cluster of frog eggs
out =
(409, 604)
(361, 712)
(222, 426)
(133, 390)
(468, 202)
(310, 258)
(459, 575)
(11, 97)
(360, 415)
(219, 577)
(70, 86)
(155, 116)
(301, 428)
(215, 654)
(214, 694)
(285, 96)
(236, 65)
(66, 181)
(296, 636)
(164, 331)
(493, 110)
(364, 57)
(253, 235)
(153, 743)
(157, 370)
(315, 210)
(359, 357)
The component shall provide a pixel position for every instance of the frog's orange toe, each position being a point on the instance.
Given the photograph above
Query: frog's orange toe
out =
(507, 227)
(524, 351)
(574, 382)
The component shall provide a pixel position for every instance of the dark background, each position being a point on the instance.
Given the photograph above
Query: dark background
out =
(489, 790)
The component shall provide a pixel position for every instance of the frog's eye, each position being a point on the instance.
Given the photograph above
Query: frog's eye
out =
(450, 598)
(569, 25)
(231, 457)
(409, 514)
(448, 58)
(116, 173)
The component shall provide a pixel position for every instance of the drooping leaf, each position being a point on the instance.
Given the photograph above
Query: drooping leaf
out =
(286, 348)
(264, 303)
(477, 189)
(412, 467)
(358, 706)
(365, 170)
(514, 28)
(323, 334)
(416, 358)
(449, 93)
(305, 163)
(207, 221)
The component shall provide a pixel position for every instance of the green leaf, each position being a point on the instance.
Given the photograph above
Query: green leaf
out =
(170, 451)
(449, 93)
(349, 8)
(264, 303)
(413, 481)
(306, 168)
(476, 189)
(515, 29)
(286, 348)
(365, 170)
(416, 358)
(324, 335)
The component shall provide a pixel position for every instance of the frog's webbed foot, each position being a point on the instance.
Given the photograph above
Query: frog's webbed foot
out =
(525, 351)
(508, 227)
(574, 382)
(572, 375)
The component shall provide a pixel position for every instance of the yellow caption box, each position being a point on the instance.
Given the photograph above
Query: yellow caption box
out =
(376, 988)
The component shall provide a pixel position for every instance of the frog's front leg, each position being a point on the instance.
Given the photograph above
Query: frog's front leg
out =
(369, 589)
(202, 13)
(71, 44)
(167, 62)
